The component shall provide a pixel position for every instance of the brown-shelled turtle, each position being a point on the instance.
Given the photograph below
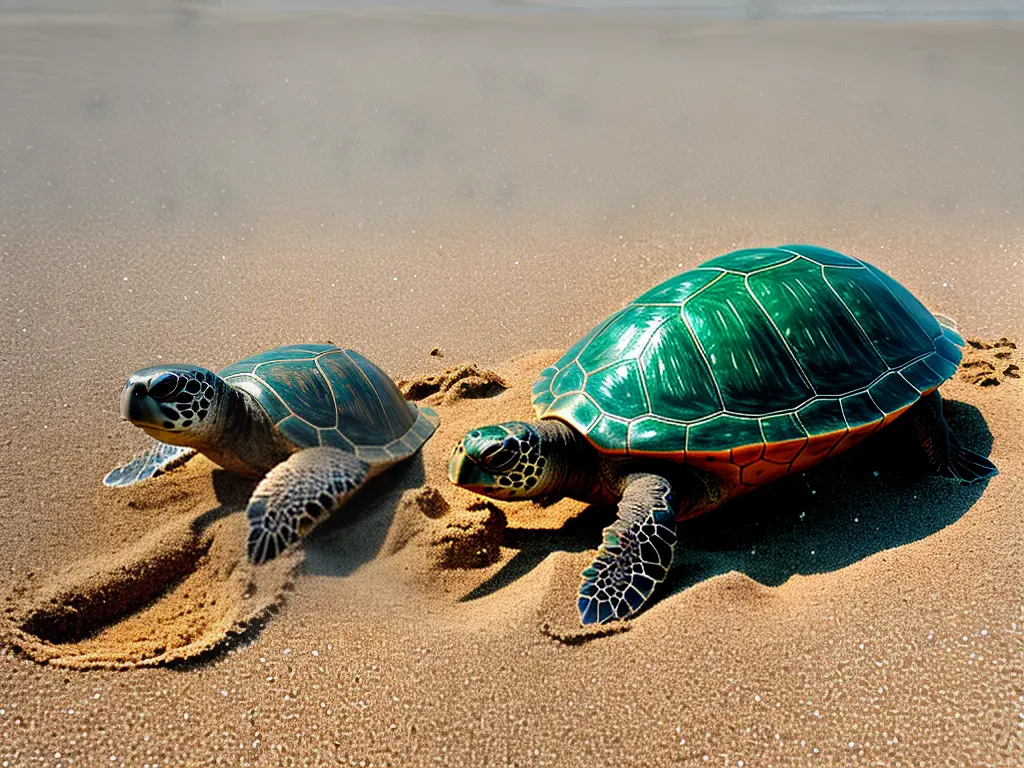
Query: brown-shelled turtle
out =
(754, 365)
(314, 421)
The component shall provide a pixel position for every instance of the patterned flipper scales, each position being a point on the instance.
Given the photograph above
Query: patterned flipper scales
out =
(635, 555)
(155, 461)
(297, 495)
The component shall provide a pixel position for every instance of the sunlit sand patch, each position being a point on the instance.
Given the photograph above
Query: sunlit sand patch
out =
(186, 589)
(545, 547)
(180, 592)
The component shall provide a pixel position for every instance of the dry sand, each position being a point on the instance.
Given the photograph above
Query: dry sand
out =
(187, 190)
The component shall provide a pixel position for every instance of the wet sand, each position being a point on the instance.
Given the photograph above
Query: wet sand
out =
(199, 187)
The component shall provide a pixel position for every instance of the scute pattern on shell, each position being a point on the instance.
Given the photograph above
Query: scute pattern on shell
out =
(765, 360)
(320, 395)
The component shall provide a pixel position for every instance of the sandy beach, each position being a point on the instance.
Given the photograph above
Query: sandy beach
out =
(197, 186)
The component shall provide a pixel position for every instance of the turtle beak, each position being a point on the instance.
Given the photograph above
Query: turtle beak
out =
(465, 473)
(136, 404)
(131, 401)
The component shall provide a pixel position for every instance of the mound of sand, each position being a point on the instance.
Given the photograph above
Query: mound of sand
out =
(465, 381)
(179, 592)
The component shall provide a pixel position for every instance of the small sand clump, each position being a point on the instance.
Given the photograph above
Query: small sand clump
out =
(430, 502)
(990, 363)
(468, 538)
(464, 382)
(417, 511)
(472, 539)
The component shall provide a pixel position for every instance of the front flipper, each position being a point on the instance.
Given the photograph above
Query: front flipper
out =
(944, 453)
(155, 461)
(635, 555)
(298, 494)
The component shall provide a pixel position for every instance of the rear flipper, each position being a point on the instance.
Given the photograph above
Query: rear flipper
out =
(944, 453)
(635, 555)
(158, 459)
(297, 495)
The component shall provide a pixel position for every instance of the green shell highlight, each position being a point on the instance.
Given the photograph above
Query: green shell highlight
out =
(770, 347)
(318, 394)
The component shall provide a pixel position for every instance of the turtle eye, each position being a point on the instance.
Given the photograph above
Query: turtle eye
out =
(163, 386)
(502, 458)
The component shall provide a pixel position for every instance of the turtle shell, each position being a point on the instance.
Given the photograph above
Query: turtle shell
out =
(318, 394)
(754, 364)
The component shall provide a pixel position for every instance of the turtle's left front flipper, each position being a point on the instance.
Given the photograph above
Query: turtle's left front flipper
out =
(154, 461)
(298, 494)
(635, 555)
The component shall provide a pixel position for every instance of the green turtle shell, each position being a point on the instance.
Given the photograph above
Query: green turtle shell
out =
(318, 394)
(756, 356)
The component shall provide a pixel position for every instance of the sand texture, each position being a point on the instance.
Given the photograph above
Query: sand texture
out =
(460, 197)
(176, 593)
(844, 603)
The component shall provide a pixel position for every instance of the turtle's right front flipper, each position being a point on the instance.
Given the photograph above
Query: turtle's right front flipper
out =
(297, 495)
(155, 461)
(635, 555)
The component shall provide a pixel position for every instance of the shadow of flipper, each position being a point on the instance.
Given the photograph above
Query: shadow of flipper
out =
(354, 534)
(534, 544)
(232, 491)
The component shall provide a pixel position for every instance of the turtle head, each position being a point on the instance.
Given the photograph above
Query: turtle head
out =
(173, 403)
(503, 461)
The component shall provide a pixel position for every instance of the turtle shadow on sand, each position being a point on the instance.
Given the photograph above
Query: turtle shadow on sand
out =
(875, 498)
(331, 548)
(232, 492)
(872, 498)
(348, 539)
(355, 534)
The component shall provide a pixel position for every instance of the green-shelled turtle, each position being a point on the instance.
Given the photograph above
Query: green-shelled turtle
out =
(314, 421)
(754, 365)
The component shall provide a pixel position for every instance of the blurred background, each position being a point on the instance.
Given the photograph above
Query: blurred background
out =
(882, 9)
(200, 180)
